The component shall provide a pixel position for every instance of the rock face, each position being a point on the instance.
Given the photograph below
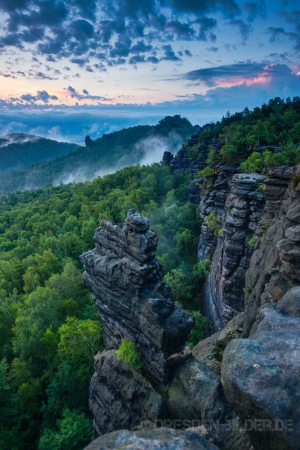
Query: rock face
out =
(120, 398)
(196, 395)
(274, 265)
(261, 375)
(134, 301)
(159, 439)
(209, 351)
(237, 205)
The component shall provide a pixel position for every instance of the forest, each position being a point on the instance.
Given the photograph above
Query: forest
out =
(49, 325)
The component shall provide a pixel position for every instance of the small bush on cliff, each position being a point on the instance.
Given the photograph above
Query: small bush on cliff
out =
(252, 241)
(214, 224)
(128, 353)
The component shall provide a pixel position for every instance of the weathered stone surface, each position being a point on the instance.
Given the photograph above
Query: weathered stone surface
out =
(274, 266)
(239, 213)
(159, 439)
(293, 213)
(293, 233)
(194, 190)
(261, 376)
(134, 301)
(119, 397)
(290, 302)
(197, 396)
(210, 350)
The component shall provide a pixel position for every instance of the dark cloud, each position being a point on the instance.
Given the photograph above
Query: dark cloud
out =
(81, 29)
(180, 30)
(41, 95)
(140, 47)
(42, 76)
(86, 9)
(206, 24)
(169, 54)
(210, 76)
(255, 9)
(244, 28)
(229, 8)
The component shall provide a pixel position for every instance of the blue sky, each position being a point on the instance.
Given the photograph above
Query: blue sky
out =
(76, 67)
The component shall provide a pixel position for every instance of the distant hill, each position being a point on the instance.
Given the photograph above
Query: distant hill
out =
(19, 150)
(135, 145)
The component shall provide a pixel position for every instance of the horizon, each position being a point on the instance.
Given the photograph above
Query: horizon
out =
(71, 69)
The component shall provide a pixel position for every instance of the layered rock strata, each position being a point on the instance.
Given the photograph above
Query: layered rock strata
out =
(136, 304)
(134, 301)
(237, 205)
(119, 397)
(274, 266)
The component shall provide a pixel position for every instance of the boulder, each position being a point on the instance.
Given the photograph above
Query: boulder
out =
(196, 395)
(261, 376)
(158, 439)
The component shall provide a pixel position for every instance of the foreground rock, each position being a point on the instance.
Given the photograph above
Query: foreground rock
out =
(261, 376)
(196, 395)
(134, 301)
(158, 439)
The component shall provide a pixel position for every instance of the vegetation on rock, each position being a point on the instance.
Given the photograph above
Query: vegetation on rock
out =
(128, 353)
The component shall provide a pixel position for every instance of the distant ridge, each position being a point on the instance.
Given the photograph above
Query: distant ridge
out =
(135, 145)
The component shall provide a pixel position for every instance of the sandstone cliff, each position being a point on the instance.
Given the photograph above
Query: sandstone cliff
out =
(235, 203)
(135, 303)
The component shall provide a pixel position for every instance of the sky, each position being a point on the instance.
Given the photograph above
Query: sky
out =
(69, 68)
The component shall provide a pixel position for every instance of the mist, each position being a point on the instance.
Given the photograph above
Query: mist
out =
(145, 152)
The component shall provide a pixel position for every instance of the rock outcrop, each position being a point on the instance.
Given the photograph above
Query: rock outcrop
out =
(236, 205)
(159, 439)
(274, 266)
(261, 375)
(134, 301)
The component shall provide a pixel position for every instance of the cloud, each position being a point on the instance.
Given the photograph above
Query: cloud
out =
(116, 32)
(85, 95)
(216, 75)
(229, 8)
(255, 9)
(41, 95)
(244, 28)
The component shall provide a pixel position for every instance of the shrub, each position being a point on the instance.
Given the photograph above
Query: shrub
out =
(128, 353)
(252, 241)
(214, 224)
